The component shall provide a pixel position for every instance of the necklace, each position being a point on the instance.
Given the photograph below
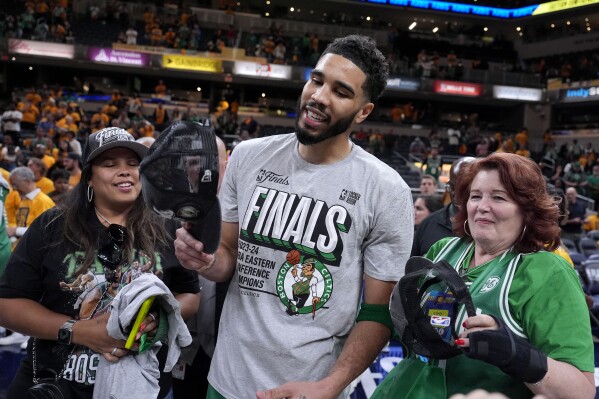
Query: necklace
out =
(101, 216)
(465, 269)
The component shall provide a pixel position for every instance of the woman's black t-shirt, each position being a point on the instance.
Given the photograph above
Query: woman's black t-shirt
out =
(45, 272)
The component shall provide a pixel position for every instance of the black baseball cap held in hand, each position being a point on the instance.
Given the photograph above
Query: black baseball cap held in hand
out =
(430, 331)
(179, 178)
(107, 138)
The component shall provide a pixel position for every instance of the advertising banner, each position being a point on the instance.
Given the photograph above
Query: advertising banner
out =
(46, 49)
(404, 84)
(191, 63)
(122, 57)
(458, 88)
(580, 94)
(272, 71)
(517, 93)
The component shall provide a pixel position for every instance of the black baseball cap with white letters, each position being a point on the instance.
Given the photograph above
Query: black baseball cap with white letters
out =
(108, 138)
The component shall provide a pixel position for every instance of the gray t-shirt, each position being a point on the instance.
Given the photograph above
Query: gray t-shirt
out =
(307, 234)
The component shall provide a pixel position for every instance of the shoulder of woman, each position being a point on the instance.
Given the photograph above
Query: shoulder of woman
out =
(51, 219)
(546, 263)
(438, 246)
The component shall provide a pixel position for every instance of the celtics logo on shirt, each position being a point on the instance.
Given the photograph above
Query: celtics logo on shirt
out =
(303, 284)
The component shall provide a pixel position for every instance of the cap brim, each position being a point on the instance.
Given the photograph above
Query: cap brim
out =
(134, 146)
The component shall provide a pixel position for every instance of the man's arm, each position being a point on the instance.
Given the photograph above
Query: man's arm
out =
(366, 340)
(190, 303)
(217, 267)
(361, 348)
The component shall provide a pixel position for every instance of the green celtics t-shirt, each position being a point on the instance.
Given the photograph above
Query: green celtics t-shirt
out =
(538, 296)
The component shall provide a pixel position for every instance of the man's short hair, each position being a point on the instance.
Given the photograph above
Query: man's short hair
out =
(39, 163)
(22, 173)
(362, 51)
(75, 157)
(431, 177)
(60, 174)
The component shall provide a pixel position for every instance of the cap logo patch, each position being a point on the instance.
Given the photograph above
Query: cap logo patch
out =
(440, 321)
(207, 177)
(109, 135)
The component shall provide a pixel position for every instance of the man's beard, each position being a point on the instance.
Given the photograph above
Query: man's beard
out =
(306, 138)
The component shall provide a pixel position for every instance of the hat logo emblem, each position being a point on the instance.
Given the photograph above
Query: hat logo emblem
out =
(207, 176)
(109, 135)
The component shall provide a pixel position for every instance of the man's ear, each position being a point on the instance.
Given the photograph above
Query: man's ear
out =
(364, 112)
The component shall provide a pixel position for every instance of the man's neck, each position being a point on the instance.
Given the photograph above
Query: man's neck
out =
(327, 152)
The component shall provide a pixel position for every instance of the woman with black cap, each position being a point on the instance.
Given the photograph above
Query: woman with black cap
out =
(73, 260)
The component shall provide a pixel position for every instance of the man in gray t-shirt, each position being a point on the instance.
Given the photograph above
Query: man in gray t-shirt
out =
(315, 234)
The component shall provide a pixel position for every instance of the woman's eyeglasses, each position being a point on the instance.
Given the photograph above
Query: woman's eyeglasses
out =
(110, 253)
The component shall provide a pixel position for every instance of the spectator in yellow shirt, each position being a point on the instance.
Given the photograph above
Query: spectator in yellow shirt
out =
(33, 201)
(39, 172)
(522, 137)
(100, 120)
(72, 163)
(30, 116)
(65, 125)
(40, 152)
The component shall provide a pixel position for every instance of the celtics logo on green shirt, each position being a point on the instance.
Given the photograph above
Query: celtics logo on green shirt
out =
(490, 284)
(303, 284)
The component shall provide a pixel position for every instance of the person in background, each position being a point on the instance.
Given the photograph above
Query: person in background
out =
(531, 333)
(417, 148)
(10, 154)
(72, 163)
(308, 337)
(424, 206)
(11, 123)
(39, 170)
(572, 227)
(576, 178)
(428, 185)
(432, 163)
(593, 185)
(161, 117)
(160, 89)
(562, 205)
(74, 144)
(252, 127)
(56, 274)
(5, 251)
(40, 151)
(32, 202)
(191, 377)
(438, 224)
(60, 178)
(5, 247)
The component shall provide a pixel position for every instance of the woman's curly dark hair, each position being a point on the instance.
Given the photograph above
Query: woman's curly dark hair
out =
(525, 185)
(362, 51)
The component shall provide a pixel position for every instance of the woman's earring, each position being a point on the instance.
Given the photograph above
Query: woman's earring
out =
(466, 228)
(90, 193)
(523, 232)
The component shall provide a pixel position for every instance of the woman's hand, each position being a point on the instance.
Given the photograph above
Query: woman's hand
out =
(488, 338)
(94, 334)
(149, 325)
(473, 324)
